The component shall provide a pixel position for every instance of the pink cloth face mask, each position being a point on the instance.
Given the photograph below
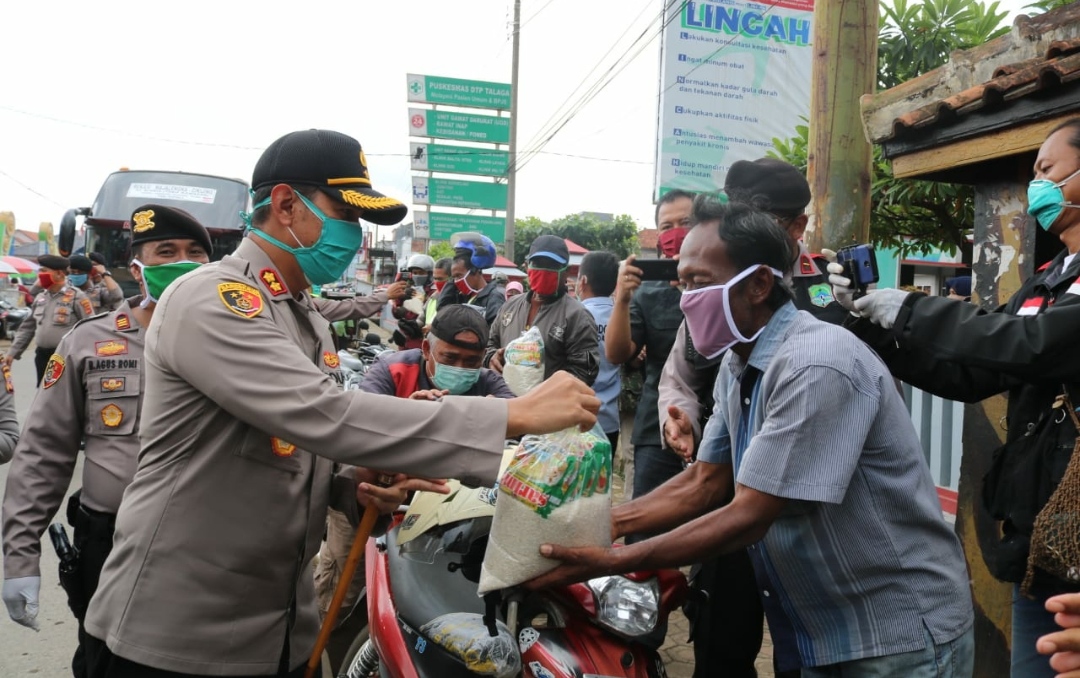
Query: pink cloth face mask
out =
(708, 316)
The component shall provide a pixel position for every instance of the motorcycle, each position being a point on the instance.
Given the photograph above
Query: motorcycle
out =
(425, 618)
(358, 358)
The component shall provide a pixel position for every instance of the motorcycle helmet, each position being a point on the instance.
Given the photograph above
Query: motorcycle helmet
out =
(421, 261)
(479, 246)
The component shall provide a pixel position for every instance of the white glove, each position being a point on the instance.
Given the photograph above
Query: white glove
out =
(881, 306)
(841, 284)
(21, 598)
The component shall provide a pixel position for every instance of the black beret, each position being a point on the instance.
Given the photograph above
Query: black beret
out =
(81, 263)
(158, 222)
(54, 262)
(780, 186)
(97, 258)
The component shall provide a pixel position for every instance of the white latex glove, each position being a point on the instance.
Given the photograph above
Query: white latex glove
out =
(841, 284)
(21, 598)
(881, 306)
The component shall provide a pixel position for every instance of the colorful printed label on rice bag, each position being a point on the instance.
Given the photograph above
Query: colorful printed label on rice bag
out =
(547, 473)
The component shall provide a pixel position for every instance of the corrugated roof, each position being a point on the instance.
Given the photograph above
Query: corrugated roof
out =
(1039, 54)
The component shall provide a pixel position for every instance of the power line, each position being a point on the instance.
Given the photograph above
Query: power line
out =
(127, 132)
(31, 190)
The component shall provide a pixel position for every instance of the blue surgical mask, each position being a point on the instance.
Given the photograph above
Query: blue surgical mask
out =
(326, 260)
(456, 380)
(1046, 200)
(78, 279)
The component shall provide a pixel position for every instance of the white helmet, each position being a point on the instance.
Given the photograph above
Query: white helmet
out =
(421, 261)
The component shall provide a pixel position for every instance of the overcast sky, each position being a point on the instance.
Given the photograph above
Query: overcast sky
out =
(89, 87)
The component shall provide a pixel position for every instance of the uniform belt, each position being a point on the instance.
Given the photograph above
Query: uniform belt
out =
(98, 517)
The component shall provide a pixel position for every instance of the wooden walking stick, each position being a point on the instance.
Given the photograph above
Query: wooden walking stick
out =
(363, 533)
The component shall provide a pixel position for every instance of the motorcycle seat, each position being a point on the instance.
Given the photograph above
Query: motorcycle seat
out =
(422, 591)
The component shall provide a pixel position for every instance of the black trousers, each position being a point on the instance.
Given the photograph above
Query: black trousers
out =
(104, 664)
(41, 359)
(93, 539)
(726, 627)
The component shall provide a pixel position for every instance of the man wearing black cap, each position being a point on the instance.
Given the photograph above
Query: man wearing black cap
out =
(93, 389)
(209, 569)
(727, 629)
(566, 326)
(55, 310)
(101, 296)
(448, 363)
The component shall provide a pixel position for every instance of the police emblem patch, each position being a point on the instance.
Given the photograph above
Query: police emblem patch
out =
(270, 278)
(111, 347)
(142, 221)
(113, 384)
(242, 299)
(331, 360)
(123, 322)
(820, 295)
(282, 448)
(54, 369)
(111, 416)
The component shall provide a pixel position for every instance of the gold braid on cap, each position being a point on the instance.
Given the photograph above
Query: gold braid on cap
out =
(367, 202)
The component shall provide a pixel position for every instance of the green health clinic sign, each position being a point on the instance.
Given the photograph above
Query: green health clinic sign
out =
(458, 193)
(458, 159)
(457, 92)
(461, 126)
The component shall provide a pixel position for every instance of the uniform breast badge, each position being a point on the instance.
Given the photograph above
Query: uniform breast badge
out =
(111, 416)
(282, 448)
(331, 360)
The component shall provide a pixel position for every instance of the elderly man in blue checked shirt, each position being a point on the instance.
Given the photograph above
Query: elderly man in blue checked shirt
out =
(830, 487)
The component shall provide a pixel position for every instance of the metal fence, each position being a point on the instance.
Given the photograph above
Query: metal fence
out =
(940, 425)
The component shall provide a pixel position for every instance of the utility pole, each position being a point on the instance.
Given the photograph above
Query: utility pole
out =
(844, 68)
(511, 173)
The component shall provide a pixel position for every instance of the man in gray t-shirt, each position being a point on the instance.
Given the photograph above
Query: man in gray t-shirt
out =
(830, 485)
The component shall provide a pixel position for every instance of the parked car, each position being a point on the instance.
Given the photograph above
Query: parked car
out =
(11, 317)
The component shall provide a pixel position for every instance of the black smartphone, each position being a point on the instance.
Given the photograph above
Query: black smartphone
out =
(860, 265)
(658, 269)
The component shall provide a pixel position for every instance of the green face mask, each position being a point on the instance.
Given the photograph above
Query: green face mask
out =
(157, 278)
(326, 260)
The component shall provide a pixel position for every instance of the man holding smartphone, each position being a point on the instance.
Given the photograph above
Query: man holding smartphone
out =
(646, 317)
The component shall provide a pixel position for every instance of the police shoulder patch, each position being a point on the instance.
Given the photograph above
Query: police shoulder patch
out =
(241, 298)
(123, 322)
(820, 295)
(87, 307)
(54, 369)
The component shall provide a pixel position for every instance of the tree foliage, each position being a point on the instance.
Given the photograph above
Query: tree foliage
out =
(914, 38)
(439, 249)
(618, 235)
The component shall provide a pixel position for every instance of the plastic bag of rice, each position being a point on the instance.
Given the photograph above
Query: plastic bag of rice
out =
(523, 362)
(556, 490)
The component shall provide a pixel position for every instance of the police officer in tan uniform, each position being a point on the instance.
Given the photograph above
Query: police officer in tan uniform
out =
(93, 387)
(103, 292)
(55, 310)
(210, 570)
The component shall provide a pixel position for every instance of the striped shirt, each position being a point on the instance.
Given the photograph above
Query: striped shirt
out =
(860, 559)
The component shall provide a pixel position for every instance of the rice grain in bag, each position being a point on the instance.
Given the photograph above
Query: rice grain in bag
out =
(556, 490)
(523, 362)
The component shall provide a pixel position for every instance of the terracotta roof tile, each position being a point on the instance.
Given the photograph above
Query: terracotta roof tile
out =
(1039, 53)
